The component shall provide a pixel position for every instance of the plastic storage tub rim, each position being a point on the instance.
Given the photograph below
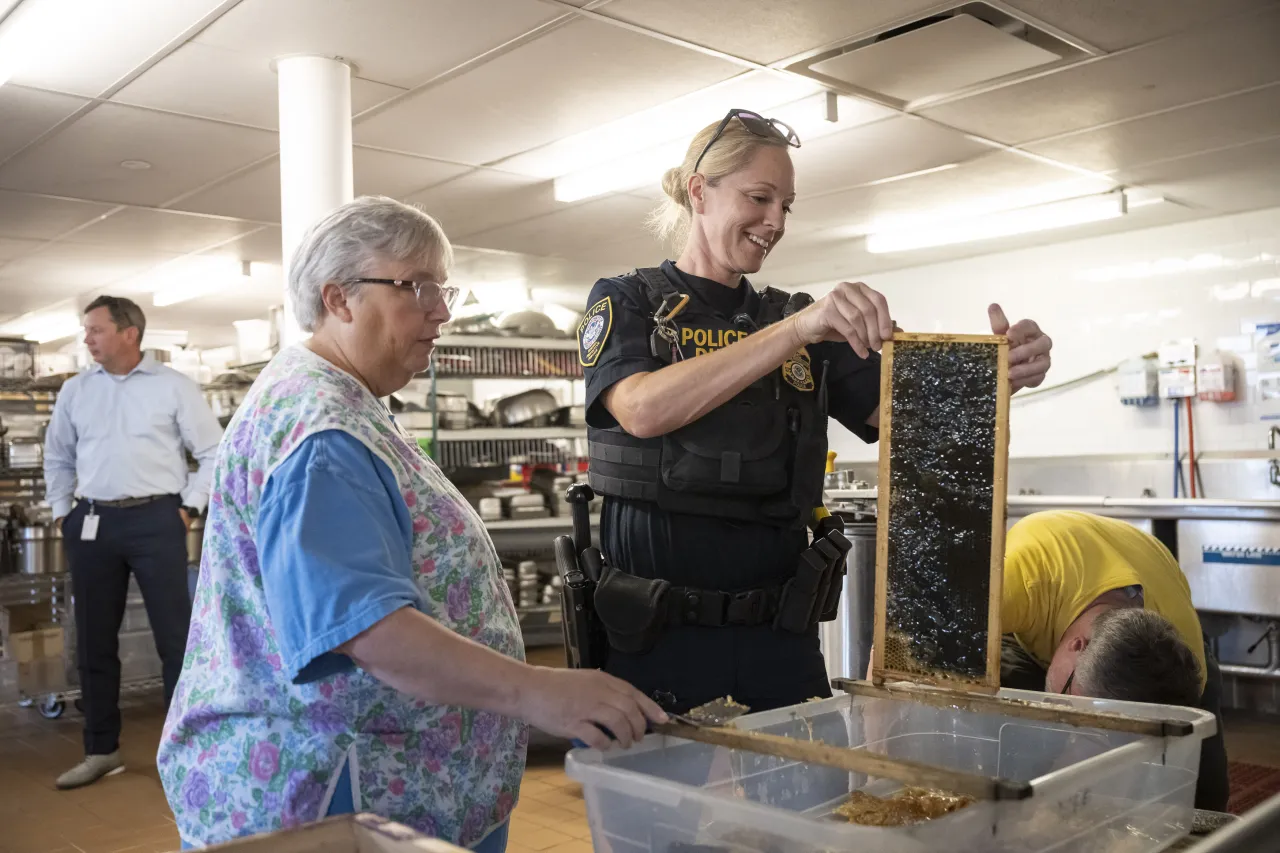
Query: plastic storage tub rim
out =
(588, 767)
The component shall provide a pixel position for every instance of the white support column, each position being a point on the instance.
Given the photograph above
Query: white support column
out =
(315, 152)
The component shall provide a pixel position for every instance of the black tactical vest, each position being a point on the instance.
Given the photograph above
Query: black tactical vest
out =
(760, 457)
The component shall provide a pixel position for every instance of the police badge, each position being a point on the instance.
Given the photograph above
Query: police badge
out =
(797, 372)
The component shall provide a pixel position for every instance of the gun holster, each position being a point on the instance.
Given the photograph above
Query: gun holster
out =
(633, 610)
(585, 645)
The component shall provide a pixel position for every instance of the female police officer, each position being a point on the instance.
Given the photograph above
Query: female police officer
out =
(707, 405)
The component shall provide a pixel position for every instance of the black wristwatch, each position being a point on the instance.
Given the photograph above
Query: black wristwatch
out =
(191, 512)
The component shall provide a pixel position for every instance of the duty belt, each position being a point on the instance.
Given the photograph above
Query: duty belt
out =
(714, 609)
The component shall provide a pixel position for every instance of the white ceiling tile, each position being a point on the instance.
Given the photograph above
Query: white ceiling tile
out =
(82, 267)
(22, 296)
(1116, 24)
(27, 113)
(254, 195)
(1206, 63)
(1235, 179)
(1217, 124)
(764, 32)
(399, 42)
(104, 41)
(576, 77)
(214, 82)
(790, 98)
(160, 230)
(572, 231)
(39, 218)
(622, 256)
(480, 265)
(83, 160)
(238, 299)
(486, 199)
(885, 149)
(11, 248)
(996, 181)
(398, 175)
(263, 247)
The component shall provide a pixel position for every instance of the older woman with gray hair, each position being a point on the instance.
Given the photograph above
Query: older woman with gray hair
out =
(353, 645)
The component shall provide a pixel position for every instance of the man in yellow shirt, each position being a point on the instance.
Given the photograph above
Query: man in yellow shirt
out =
(1098, 608)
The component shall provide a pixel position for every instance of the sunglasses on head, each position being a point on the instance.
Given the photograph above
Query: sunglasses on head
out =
(755, 123)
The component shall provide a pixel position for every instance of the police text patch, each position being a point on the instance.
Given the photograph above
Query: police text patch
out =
(593, 331)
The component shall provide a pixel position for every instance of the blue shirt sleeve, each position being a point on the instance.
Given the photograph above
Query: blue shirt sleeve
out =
(334, 544)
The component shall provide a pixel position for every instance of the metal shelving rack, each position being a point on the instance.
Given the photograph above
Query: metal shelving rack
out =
(470, 357)
(494, 357)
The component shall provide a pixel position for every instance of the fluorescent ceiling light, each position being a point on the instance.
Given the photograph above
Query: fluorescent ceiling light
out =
(628, 173)
(30, 30)
(658, 143)
(677, 119)
(43, 327)
(195, 278)
(916, 174)
(1006, 223)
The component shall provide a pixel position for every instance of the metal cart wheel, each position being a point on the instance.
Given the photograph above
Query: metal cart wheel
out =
(52, 707)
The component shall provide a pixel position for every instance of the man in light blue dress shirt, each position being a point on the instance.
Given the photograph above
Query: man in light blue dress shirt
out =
(116, 445)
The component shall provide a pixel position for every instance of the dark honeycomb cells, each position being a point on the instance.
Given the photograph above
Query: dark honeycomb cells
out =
(942, 471)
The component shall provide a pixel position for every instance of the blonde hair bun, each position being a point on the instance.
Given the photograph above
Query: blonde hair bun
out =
(732, 151)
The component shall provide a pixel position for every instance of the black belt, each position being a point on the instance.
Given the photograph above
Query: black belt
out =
(125, 503)
(714, 609)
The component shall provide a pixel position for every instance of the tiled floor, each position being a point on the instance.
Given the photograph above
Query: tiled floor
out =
(129, 813)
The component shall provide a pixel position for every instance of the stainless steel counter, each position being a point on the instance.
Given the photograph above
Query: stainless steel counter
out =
(1229, 551)
(1139, 508)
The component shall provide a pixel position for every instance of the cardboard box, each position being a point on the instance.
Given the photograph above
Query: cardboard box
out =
(9, 692)
(19, 618)
(361, 833)
(29, 646)
(42, 676)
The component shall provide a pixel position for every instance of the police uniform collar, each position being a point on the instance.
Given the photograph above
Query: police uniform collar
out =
(713, 294)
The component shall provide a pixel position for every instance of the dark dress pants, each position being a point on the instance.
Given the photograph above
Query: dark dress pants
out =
(149, 541)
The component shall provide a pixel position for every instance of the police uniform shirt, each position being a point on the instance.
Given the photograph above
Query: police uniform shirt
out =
(760, 666)
(701, 551)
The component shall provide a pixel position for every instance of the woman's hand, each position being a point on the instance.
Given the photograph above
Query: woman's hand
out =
(851, 312)
(582, 704)
(1029, 348)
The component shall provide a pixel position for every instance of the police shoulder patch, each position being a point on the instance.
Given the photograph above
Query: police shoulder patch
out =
(594, 330)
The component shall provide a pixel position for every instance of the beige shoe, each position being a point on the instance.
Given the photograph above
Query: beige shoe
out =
(93, 768)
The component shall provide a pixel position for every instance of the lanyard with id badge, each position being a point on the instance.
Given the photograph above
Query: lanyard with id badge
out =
(89, 531)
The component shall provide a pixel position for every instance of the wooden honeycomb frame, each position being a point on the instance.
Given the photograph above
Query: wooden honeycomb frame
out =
(882, 669)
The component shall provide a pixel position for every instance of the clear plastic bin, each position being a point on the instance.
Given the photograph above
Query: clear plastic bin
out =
(1094, 790)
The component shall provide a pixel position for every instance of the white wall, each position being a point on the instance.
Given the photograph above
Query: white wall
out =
(1095, 324)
